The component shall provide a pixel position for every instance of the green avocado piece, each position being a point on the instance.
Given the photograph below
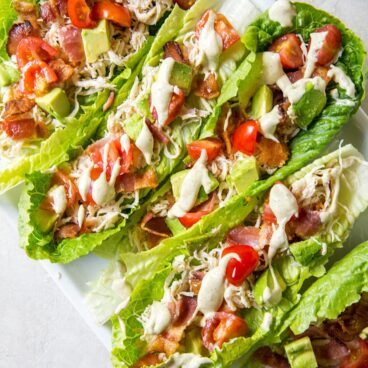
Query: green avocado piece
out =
(300, 354)
(45, 220)
(181, 76)
(55, 102)
(96, 41)
(8, 75)
(193, 342)
(133, 126)
(175, 226)
(262, 102)
(309, 107)
(177, 181)
(244, 173)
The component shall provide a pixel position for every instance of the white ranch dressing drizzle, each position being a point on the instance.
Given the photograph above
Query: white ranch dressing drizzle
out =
(326, 215)
(210, 42)
(272, 296)
(316, 42)
(156, 318)
(145, 143)
(211, 293)
(84, 182)
(103, 191)
(125, 143)
(186, 360)
(283, 12)
(267, 321)
(81, 215)
(59, 201)
(162, 91)
(193, 181)
(284, 205)
(268, 123)
(339, 76)
(272, 68)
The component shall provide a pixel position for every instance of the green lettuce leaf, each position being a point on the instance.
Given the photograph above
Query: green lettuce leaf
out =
(7, 18)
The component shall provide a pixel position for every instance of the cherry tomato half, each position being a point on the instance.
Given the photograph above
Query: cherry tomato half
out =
(191, 218)
(288, 47)
(212, 147)
(245, 136)
(357, 358)
(238, 271)
(80, 14)
(34, 48)
(114, 12)
(331, 45)
(223, 28)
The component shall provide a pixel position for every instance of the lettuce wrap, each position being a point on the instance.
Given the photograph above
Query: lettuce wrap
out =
(68, 212)
(314, 208)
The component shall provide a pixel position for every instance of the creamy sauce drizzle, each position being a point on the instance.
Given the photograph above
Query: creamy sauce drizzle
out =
(273, 296)
(59, 200)
(81, 215)
(283, 12)
(162, 91)
(268, 123)
(145, 143)
(84, 183)
(187, 360)
(157, 318)
(193, 181)
(267, 321)
(316, 42)
(339, 76)
(272, 68)
(125, 143)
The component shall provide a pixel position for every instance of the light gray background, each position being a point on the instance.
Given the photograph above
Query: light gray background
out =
(39, 328)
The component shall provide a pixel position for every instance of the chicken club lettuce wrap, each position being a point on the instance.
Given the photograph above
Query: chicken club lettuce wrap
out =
(67, 212)
(300, 77)
(61, 65)
(213, 302)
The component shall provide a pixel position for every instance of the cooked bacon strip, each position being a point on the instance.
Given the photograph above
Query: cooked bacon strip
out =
(155, 225)
(47, 12)
(185, 4)
(131, 182)
(270, 154)
(157, 133)
(307, 224)
(207, 88)
(61, 6)
(207, 206)
(67, 231)
(195, 281)
(17, 32)
(19, 129)
(172, 49)
(223, 131)
(63, 71)
(16, 107)
(109, 101)
(24, 6)
(270, 359)
(71, 43)
(147, 360)
(184, 310)
(246, 235)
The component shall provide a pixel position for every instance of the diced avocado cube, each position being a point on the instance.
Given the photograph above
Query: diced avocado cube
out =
(55, 102)
(177, 181)
(300, 354)
(182, 76)
(175, 226)
(262, 102)
(244, 173)
(8, 75)
(45, 220)
(96, 41)
(193, 342)
(133, 126)
(309, 107)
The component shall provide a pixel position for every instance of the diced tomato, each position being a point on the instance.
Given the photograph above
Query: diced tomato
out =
(238, 271)
(288, 47)
(191, 218)
(358, 358)
(80, 14)
(245, 137)
(222, 327)
(19, 129)
(212, 147)
(331, 45)
(268, 216)
(34, 48)
(61, 178)
(112, 11)
(223, 28)
(36, 77)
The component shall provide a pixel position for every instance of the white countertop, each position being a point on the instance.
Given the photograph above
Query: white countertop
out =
(39, 328)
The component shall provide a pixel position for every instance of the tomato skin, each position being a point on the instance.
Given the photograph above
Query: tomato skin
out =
(358, 358)
(238, 271)
(288, 47)
(114, 12)
(19, 129)
(223, 28)
(245, 136)
(34, 48)
(80, 14)
(331, 45)
(222, 327)
(212, 147)
(36, 76)
(191, 218)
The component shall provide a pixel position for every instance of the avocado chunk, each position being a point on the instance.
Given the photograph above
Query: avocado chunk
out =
(244, 173)
(8, 75)
(262, 102)
(181, 76)
(300, 354)
(133, 126)
(96, 41)
(55, 102)
(309, 107)
(193, 342)
(177, 181)
(45, 220)
(175, 226)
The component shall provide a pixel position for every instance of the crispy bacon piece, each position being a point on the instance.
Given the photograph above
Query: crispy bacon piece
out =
(295, 75)
(265, 234)
(131, 182)
(322, 71)
(270, 359)
(16, 107)
(17, 32)
(155, 225)
(61, 6)
(185, 4)
(225, 131)
(195, 281)
(63, 71)
(184, 310)
(109, 101)
(168, 342)
(246, 235)
(67, 231)
(307, 223)
(147, 361)
(207, 88)
(47, 12)
(19, 129)
(270, 154)
(24, 6)
(71, 43)
(157, 133)
(173, 49)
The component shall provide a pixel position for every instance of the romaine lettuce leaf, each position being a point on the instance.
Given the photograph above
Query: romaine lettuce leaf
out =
(7, 18)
